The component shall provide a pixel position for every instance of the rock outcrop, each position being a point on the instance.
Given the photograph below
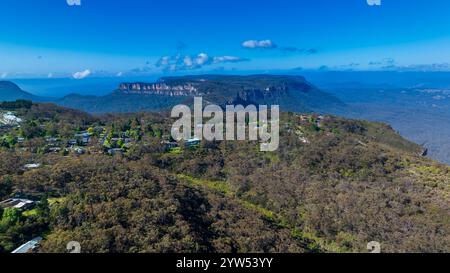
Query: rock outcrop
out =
(159, 89)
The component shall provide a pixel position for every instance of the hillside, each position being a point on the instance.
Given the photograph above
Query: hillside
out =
(414, 112)
(11, 92)
(333, 186)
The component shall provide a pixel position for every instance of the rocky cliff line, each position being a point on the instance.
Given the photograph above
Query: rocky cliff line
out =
(159, 89)
(191, 89)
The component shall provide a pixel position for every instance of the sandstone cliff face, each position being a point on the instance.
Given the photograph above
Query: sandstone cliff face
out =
(159, 89)
(192, 89)
(291, 93)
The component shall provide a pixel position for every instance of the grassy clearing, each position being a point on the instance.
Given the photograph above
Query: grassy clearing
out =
(217, 186)
(56, 200)
(30, 213)
(176, 151)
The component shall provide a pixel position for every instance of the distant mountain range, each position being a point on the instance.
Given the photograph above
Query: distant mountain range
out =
(292, 93)
(9, 91)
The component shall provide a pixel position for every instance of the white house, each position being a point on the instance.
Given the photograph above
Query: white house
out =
(21, 204)
(28, 246)
(32, 166)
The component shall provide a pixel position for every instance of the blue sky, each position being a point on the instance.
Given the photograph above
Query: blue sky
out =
(49, 38)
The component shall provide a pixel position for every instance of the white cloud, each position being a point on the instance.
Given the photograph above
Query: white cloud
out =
(265, 44)
(202, 59)
(191, 62)
(270, 45)
(82, 74)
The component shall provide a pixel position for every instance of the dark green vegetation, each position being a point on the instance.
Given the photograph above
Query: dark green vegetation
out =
(333, 186)
(14, 105)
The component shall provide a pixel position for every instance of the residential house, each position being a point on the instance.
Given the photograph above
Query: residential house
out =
(85, 140)
(32, 166)
(83, 137)
(54, 150)
(72, 142)
(82, 134)
(28, 247)
(21, 204)
(79, 150)
(115, 151)
(192, 142)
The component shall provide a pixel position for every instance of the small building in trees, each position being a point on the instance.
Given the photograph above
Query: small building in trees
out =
(29, 246)
(21, 204)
